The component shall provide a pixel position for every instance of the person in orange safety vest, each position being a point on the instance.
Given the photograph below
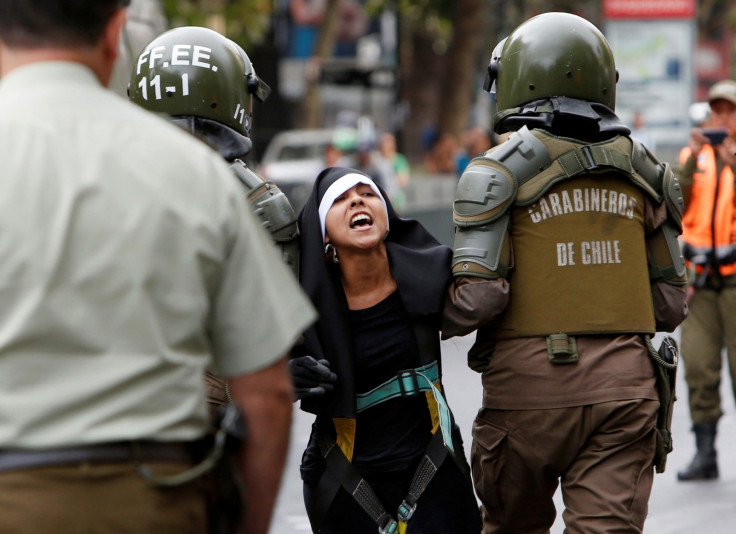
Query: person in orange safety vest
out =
(709, 245)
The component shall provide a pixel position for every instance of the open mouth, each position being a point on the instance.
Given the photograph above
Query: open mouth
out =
(360, 220)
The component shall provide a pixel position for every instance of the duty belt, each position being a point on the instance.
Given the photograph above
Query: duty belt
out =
(134, 451)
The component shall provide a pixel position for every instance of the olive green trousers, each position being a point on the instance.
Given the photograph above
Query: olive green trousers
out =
(601, 456)
(709, 327)
(98, 498)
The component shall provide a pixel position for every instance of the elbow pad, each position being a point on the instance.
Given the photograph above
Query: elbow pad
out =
(481, 216)
(277, 216)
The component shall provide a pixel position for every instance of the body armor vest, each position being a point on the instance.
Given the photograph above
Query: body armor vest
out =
(578, 238)
(580, 263)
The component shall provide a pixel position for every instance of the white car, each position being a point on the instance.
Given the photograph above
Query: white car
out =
(293, 159)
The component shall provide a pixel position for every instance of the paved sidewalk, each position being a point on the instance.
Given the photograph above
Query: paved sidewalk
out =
(696, 507)
(674, 508)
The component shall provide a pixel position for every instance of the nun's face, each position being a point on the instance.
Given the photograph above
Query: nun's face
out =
(356, 219)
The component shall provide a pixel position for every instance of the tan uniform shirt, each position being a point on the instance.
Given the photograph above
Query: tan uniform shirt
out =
(130, 262)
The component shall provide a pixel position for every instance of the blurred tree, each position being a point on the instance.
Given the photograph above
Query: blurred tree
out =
(716, 20)
(245, 21)
(462, 66)
(445, 46)
(310, 112)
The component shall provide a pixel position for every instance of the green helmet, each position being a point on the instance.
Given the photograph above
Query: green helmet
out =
(553, 55)
(196, 72)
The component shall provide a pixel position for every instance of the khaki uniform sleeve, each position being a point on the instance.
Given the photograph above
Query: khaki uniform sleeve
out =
(471, 303)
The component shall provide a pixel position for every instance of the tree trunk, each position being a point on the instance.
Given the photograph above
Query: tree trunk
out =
(310, 115)
(421, 68)
(458, 82)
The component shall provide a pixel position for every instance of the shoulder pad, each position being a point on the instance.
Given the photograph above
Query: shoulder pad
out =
(673, 195)
(269, 203)
(246, 176)
(484, 192)
(493, 180)
(523, 154)
(649, 169)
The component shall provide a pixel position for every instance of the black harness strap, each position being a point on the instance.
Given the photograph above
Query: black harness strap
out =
(430, 463)
(339, 472)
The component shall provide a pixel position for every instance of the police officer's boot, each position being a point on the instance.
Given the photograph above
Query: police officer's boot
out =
(703, 466)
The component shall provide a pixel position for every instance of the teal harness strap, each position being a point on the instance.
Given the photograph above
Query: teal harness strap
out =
(405, 384)
(408, 383)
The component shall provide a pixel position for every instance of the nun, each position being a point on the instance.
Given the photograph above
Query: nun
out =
(385, 454)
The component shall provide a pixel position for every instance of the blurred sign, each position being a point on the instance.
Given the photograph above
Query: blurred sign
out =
(655, 62)
(648, 9)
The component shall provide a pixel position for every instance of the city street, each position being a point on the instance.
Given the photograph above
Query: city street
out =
(674, 508)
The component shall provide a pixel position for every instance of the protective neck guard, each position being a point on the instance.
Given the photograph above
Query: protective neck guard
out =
(230, 144)
(565, 117)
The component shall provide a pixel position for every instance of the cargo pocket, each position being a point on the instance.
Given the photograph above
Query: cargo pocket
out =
(645, 476)
(488, 463)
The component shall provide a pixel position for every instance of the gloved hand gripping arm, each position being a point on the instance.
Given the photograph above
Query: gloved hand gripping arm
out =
(311, 377)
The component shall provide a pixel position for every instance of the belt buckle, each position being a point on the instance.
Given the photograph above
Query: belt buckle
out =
(589, 157)
(390, 527)
(412, 374)
(406, 511)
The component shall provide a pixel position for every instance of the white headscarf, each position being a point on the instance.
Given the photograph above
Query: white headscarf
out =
(341, 185)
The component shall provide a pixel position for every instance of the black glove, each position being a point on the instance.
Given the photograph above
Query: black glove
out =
(311, 377)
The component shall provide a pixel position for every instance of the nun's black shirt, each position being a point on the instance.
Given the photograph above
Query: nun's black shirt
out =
(391, 435)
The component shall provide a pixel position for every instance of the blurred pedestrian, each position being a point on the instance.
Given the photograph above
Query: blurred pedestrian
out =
(476, 142)
(640, 132)
(384, 451)
(399, 166)
(707, 171)
(549, 226)
(131, 262)
(442, 155)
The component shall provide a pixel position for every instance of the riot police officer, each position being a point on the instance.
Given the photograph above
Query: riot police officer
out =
(206, 84)
(565, 261)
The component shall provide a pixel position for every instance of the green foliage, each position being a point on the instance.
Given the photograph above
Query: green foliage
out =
(246, 21)
(432, 16)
